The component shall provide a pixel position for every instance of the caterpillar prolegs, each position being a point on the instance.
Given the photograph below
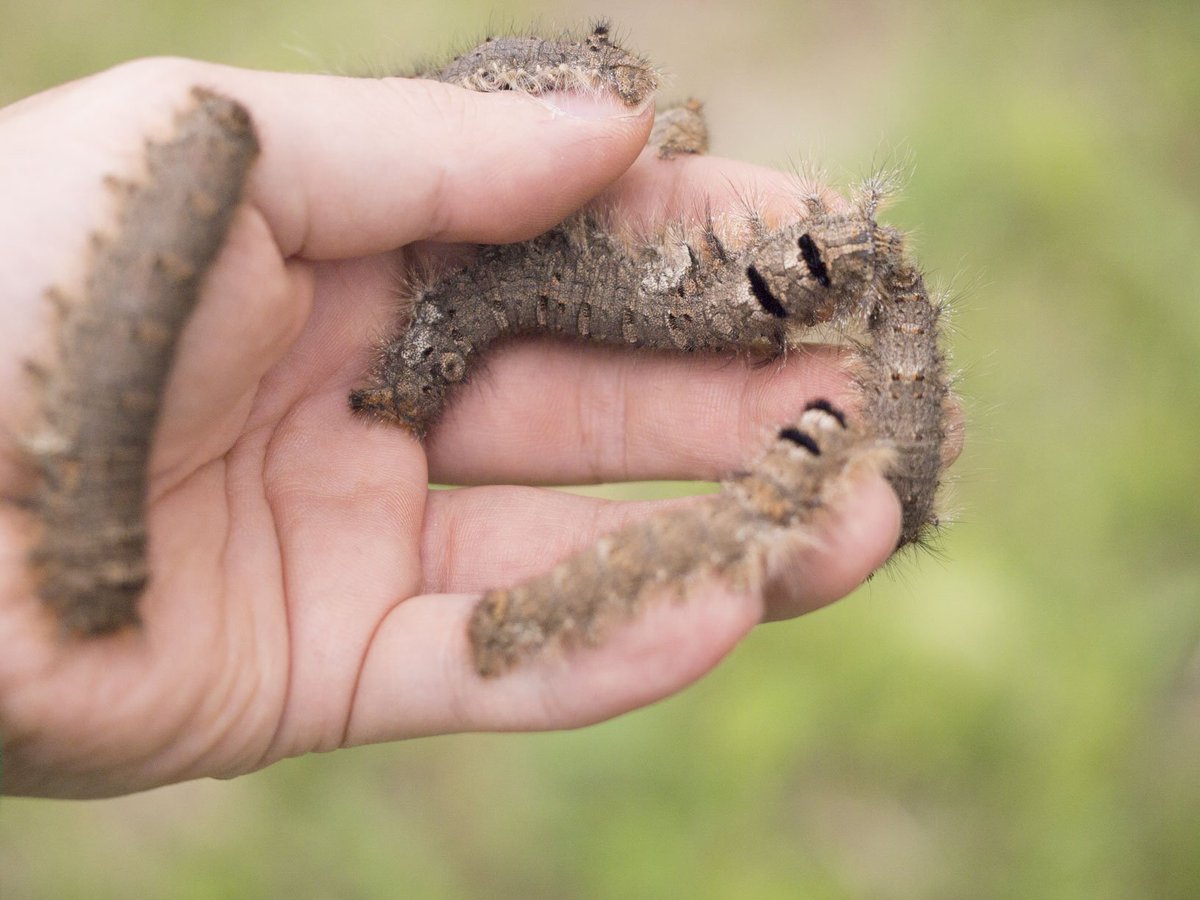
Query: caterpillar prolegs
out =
(688, 290)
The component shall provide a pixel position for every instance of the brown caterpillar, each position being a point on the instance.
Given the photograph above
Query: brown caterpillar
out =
(100, 399)
(537, 66)
(680, 129)
(687, 293)
(741, 535)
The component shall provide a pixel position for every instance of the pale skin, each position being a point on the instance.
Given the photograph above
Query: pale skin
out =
(308, 591)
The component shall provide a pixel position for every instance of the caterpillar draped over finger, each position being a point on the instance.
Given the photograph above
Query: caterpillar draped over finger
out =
(752, 290)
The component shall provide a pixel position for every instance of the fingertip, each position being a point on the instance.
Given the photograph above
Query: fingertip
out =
(598, 106)
(856, 534)
(956, 431)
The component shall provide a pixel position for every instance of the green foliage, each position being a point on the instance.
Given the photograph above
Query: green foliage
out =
(1016, 717)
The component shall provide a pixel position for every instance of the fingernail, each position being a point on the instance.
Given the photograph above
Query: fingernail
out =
(591, 105)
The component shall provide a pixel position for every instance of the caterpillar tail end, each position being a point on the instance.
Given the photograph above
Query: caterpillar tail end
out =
(384, 404)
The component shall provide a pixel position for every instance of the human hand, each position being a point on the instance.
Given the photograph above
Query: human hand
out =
(308, 591)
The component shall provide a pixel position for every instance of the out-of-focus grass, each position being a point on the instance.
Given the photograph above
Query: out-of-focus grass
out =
(1017, 717)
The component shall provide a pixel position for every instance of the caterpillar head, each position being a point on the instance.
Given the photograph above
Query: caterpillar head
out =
(821, 268)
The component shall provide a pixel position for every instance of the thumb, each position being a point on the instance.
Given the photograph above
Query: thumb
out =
(356, 166)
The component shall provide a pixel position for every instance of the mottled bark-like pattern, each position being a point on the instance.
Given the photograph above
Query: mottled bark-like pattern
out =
(689, 291)
(535, 65)
(100, 398)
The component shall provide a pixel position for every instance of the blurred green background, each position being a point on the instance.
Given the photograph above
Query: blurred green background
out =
(1017, 716)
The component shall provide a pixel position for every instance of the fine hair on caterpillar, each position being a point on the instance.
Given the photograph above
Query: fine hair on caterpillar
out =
(753, 290)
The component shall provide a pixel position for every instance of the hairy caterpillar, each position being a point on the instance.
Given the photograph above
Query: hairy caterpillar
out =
(687, 292)
(741, 535)
(100, 399)
(536, 66)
